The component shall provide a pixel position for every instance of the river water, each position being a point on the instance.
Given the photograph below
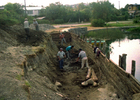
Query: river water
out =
(131, 47)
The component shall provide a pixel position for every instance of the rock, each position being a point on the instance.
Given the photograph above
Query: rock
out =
(85, 83)
(114, 95)
(136, 96)
(58, 84)
(95, 84)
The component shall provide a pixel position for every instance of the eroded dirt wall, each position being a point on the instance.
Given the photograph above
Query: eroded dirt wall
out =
(28, 68)
(124, 84)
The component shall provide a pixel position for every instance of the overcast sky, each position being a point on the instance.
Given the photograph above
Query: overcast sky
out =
(47, 2)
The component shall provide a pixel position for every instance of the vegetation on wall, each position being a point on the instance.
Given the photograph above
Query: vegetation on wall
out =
(137, 29)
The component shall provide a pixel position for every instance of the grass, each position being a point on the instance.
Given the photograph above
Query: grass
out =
(27, 84)
(117, 24)
(137, 29)
(106, 34)
(18, 77)
(85, 25)
(122, 23)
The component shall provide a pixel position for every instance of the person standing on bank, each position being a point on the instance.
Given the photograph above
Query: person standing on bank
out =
(61, 55)
(83, 56)
(98, 51)
(36, 24)
(68, 49)
(62, 38)
(26, 28)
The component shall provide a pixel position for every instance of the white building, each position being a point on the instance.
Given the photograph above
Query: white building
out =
(33, 11)
(1, 7)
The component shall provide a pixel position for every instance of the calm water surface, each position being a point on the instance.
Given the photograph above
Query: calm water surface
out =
(132, 49)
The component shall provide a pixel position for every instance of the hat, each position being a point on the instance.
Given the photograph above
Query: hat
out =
(26, 19)
(61, 48)
(34, 19)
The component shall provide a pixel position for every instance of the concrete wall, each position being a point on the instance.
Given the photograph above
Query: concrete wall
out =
(78, 31)
(42, 27)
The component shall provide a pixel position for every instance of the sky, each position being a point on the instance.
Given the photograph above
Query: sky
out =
(45, 3)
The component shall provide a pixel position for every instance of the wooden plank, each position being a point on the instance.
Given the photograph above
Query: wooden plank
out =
(94, 77)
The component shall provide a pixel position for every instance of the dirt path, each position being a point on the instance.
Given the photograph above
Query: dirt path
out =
(61, 27)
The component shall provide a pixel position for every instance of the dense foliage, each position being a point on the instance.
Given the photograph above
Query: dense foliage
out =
(97, 23)
(137, 29)
(12, 14)
(58, 13)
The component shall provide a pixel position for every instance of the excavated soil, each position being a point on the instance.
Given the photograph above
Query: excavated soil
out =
(29, 69)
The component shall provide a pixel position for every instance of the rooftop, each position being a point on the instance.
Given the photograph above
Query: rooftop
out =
(33, 8)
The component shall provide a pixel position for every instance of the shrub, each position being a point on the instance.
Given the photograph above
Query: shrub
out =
(8, 22)
(137, 29)
(97, 23)
(121, 18)
(43, 21)
(58, 21)
(27, 84)
(18, 77)
(136, 20)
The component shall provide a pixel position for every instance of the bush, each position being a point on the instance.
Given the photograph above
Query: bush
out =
(8, 22)
(136, 20)
(43, 21)
(58, 21)
(97, 23)
(121, 18)
(137, 29)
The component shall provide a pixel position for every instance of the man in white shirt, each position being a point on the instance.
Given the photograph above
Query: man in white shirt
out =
(61, 55)
(26, 28)
(83, 56)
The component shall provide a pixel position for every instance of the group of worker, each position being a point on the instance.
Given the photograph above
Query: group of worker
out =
(27, 25)
(82, 55)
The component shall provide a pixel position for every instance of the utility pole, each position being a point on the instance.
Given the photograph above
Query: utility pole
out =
(25, 7)
(119, 4)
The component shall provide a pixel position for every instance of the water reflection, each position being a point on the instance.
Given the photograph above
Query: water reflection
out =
(129, 46)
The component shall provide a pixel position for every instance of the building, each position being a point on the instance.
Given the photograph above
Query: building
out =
(134, 9)
(33, 11)
(1, 7)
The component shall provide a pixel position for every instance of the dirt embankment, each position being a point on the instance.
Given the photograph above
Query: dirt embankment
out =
(29, 69)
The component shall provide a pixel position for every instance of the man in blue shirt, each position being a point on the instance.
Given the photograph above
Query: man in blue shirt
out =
(36, 24)
(68, 51)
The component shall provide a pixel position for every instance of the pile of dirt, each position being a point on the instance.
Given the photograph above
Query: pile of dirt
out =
(29, 69)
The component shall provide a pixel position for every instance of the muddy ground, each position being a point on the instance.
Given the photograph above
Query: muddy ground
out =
(29, 69)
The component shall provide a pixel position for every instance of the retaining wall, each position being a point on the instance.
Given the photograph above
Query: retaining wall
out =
(43, 27)
(78, 31)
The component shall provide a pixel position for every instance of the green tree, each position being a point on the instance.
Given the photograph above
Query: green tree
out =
(102, 10)
(55, 11)
(11, 14)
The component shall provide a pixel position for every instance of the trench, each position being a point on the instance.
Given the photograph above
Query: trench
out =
(71, 78)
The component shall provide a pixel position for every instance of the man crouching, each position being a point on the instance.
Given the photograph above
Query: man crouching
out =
(83, 56)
